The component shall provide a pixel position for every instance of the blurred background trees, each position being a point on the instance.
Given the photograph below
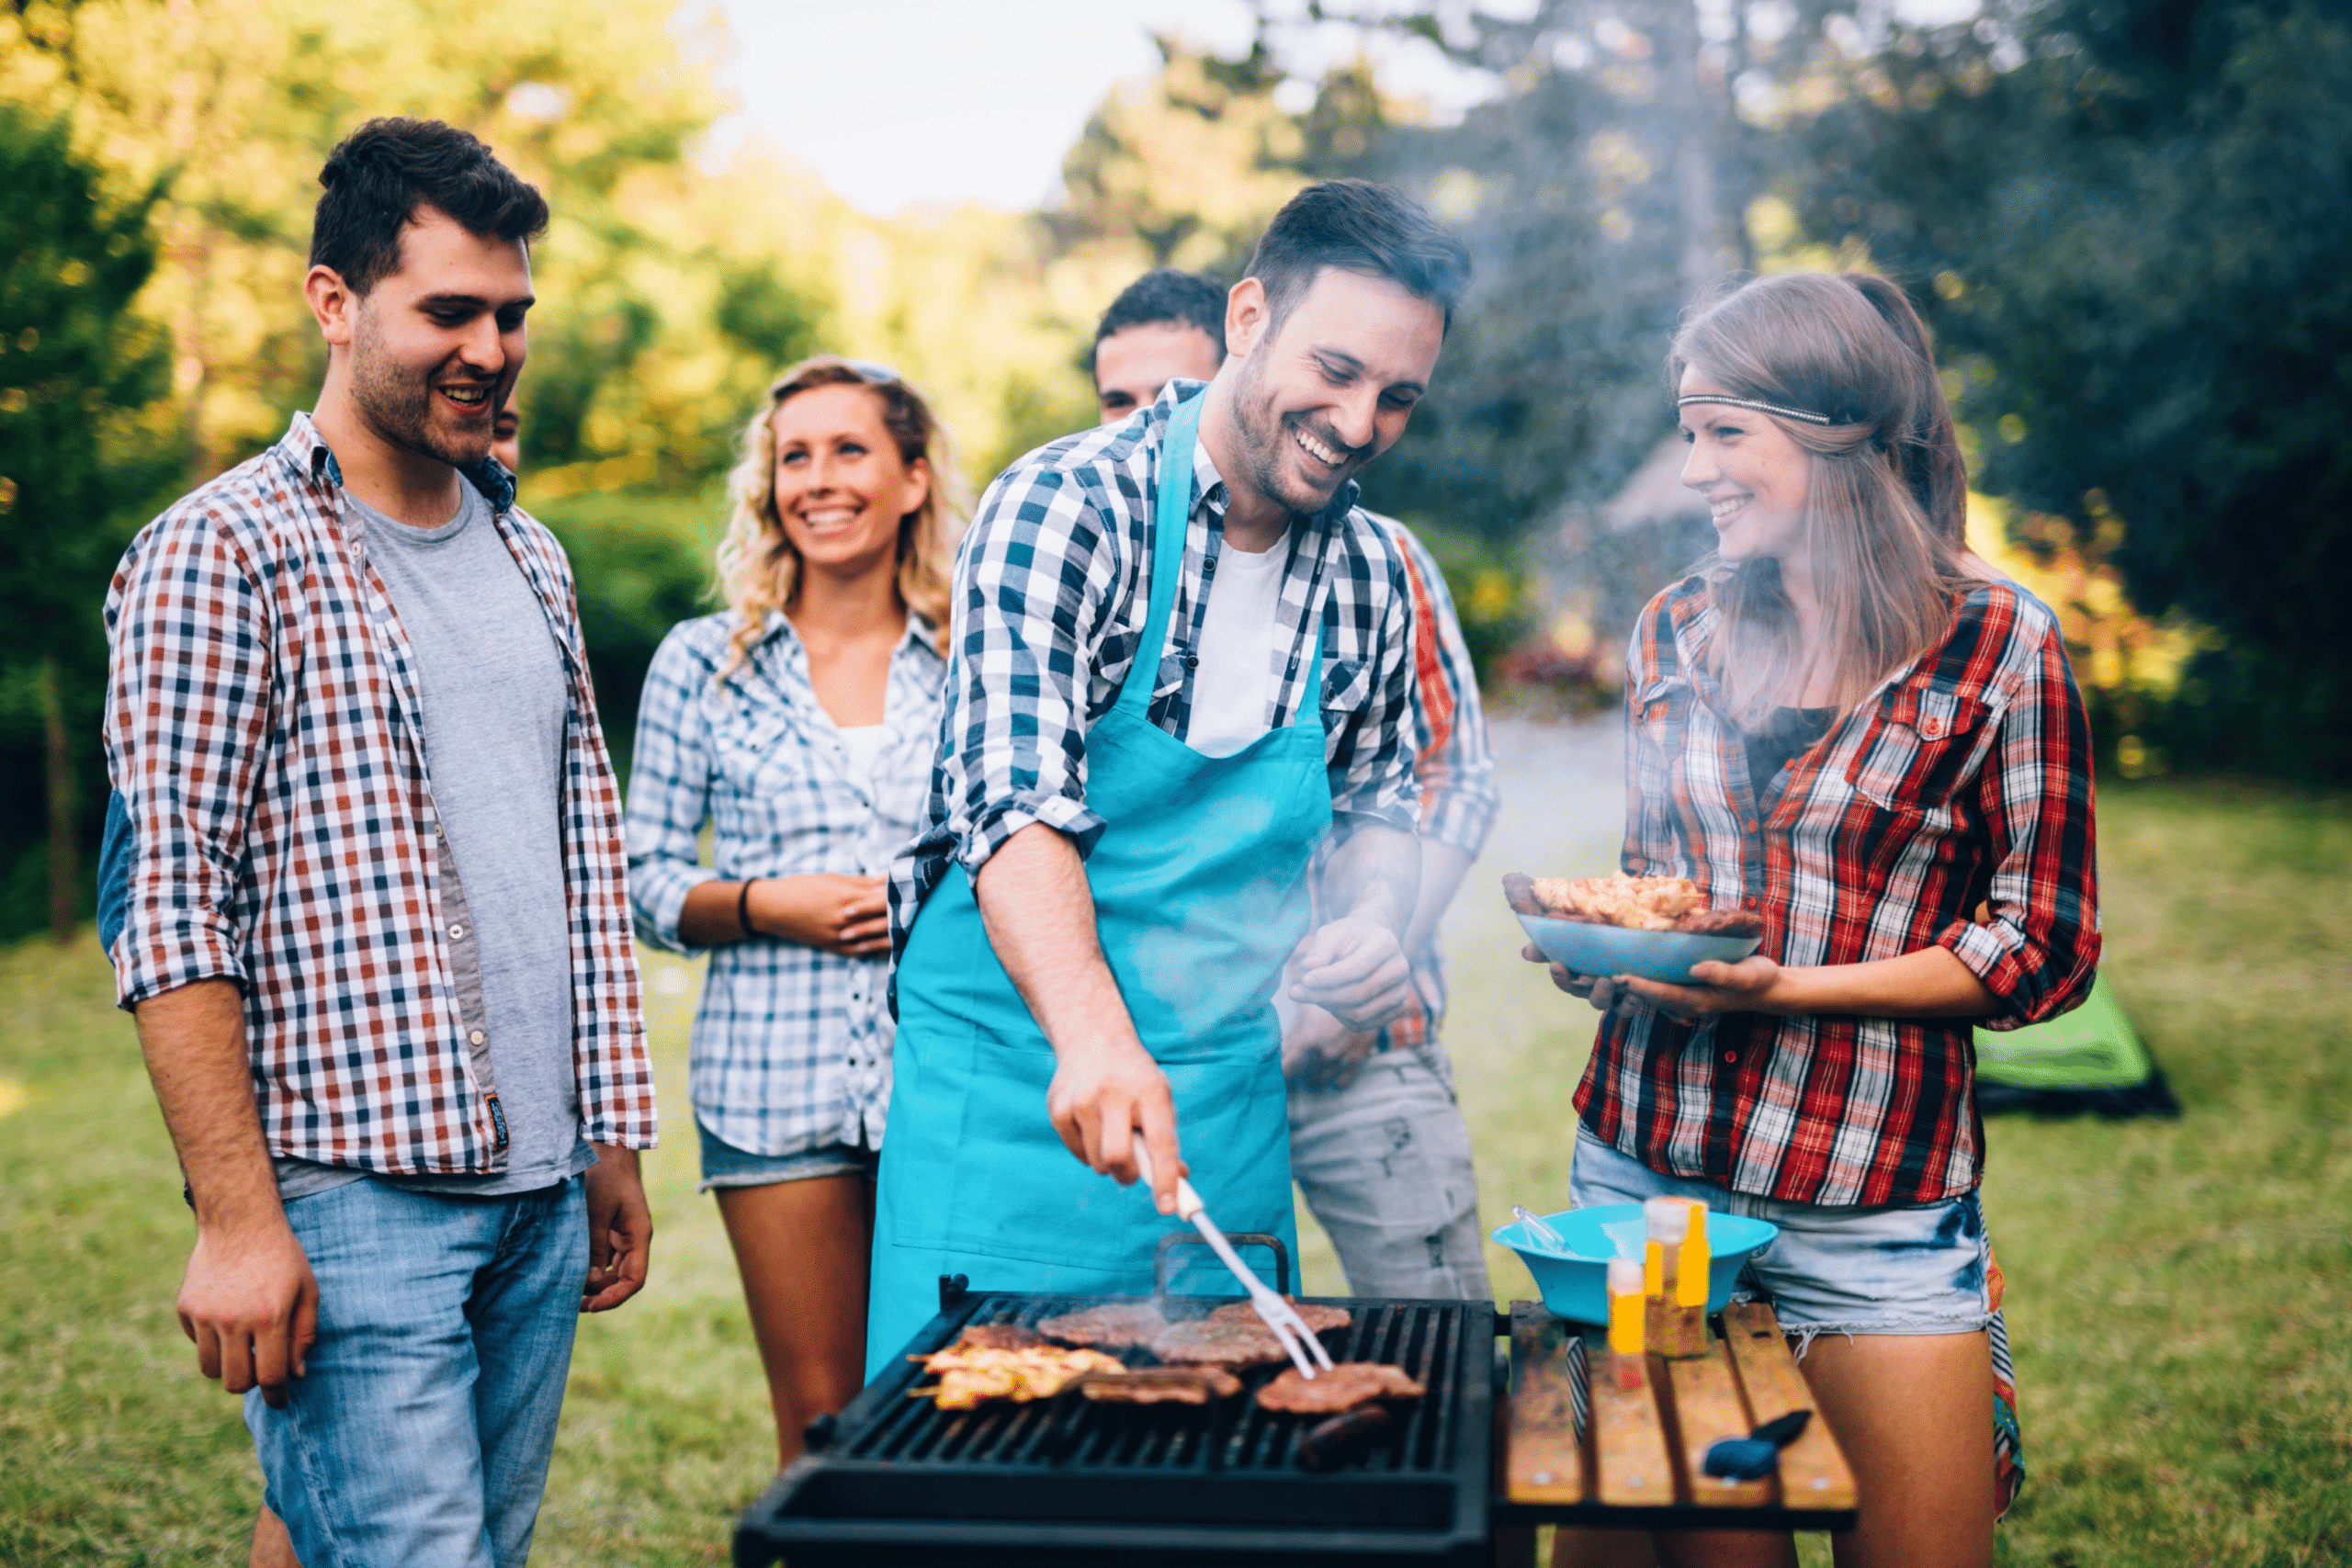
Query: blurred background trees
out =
(2124, 219)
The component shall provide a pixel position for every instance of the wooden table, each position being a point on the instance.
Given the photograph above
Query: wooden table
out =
(1636, 1463)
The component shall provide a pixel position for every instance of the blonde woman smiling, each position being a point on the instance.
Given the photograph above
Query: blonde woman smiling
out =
(798, 724)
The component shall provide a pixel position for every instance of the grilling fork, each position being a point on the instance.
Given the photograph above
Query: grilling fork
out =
(1280, 1318)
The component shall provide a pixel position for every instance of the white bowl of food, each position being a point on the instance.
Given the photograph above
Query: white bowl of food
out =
(1655, 927)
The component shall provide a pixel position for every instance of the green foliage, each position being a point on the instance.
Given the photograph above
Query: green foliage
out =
(1492, 590)
(75, 367)
(2135, 236)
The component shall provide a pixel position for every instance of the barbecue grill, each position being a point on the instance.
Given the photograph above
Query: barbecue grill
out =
(895, 1479)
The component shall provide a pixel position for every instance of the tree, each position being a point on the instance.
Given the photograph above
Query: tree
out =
(75, 369)
(2129, 224)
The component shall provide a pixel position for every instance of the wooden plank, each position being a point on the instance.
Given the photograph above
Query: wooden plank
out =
(1708, 1408)
(1543, 1461)
(1814, 1472)
(1630, 1464)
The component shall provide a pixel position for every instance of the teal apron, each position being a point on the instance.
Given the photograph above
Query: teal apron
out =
(1200, 894)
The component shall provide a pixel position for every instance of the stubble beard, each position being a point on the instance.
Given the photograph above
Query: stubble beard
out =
(1263, 437)
(399, 406)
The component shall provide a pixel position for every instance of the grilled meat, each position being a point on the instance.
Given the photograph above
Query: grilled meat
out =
(1162, 1385)
(1520, 889)
(1320, 1319)
(1113, 1325)
(1344, 1387)
(1333, 1441)
(998, 1337)
(1206, 1342)
(970, 1374)
(1722, 923)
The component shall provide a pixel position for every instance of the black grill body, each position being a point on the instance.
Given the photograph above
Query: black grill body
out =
(1062, 1481)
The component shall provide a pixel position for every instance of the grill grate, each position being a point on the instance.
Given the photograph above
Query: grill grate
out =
(898, 1469)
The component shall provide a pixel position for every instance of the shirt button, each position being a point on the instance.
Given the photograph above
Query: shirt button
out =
(1731, 1056)
(1191, 662)
(1751, 826)
(477, 1037)
(1753, 903)
(457, 933)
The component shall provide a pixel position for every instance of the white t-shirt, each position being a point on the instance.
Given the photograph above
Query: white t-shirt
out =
(1232, 686)
(864, 742)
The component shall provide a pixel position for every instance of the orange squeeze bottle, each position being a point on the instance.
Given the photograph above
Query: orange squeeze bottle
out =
(1628, 1312)
(1691, 1284)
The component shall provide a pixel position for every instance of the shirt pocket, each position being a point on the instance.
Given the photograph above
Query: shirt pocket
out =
(1347, 691)
(1922, 748)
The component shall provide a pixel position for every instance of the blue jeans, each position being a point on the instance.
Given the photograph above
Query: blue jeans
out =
(419, 1437)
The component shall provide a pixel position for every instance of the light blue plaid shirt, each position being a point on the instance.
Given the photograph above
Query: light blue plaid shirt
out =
(792, 1045)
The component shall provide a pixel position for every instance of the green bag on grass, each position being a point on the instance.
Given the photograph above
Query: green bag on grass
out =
(2089, 1059)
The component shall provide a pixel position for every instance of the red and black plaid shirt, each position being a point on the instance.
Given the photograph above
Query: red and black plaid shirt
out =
(1963, 782)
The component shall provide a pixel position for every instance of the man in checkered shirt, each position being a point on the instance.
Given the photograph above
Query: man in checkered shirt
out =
(1153, 630)
(377, 936)
(1377, 1142)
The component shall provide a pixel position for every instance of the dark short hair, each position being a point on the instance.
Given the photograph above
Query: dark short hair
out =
(1165, 295)
(379, 175)
(1358, 227)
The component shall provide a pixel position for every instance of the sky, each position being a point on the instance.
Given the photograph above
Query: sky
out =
(901, 101)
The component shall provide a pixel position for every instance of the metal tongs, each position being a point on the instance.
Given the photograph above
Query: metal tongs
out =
(1280, 1318)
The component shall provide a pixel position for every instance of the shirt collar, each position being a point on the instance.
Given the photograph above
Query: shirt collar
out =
(308, 452)
(920, 632)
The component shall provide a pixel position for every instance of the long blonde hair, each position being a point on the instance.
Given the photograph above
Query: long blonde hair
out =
(1884, 520)
(759, 569)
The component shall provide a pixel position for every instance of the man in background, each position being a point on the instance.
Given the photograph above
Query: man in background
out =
(382, 971)
(1377, 1142)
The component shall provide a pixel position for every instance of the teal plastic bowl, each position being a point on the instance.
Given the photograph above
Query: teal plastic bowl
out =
(1576, 1282)
(1665, 956)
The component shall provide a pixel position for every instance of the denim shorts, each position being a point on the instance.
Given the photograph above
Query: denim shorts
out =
(1919, 1268)
(724, 1165)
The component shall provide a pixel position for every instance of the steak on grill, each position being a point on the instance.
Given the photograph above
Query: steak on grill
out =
(1320, 1319)
(1234, 1346)
(1344, 1387)
(1112, 1326)
(1162, 1385)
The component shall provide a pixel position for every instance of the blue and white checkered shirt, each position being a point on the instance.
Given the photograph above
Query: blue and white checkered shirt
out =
(792, 1045)
(1053, 587)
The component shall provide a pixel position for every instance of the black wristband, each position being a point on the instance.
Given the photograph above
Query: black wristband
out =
(744, 908)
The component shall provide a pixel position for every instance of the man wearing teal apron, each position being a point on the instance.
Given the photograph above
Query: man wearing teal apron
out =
(1135, 772)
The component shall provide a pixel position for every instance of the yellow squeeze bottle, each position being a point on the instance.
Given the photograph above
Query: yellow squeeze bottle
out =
(1664, 1219)
(1691, 1283)
(1628, 1310)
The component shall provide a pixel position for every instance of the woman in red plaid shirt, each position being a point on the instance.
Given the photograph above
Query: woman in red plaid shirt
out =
(1839, 723)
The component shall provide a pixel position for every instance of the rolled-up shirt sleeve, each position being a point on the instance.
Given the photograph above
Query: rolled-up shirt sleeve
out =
(187, 722)
(669, 793)
(2039, 950)
(1032, 580)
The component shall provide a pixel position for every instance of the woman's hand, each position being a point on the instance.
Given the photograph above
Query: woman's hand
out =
(1752, 985)
(848, 914)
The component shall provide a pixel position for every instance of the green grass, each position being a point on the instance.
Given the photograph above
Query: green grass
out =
(2177, 1290)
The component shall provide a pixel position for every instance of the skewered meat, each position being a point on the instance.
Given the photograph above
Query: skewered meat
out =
(1231, 1345)
(1113, 1325)
(1343, 1387)
(1320, 1319)
(998, 1337)
(1637, 903)
(1162, 1385)
(970, 1374)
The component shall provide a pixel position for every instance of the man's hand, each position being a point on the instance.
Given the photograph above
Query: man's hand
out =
(1101, 1095)
(251, 1306)
(1322, 1053)
(1353, 969)
(620, 1229)
(849, 915)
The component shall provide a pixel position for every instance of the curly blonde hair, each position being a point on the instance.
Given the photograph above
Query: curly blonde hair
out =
(759, 569)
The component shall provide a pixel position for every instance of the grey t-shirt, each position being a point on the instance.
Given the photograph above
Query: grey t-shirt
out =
(491, 681)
